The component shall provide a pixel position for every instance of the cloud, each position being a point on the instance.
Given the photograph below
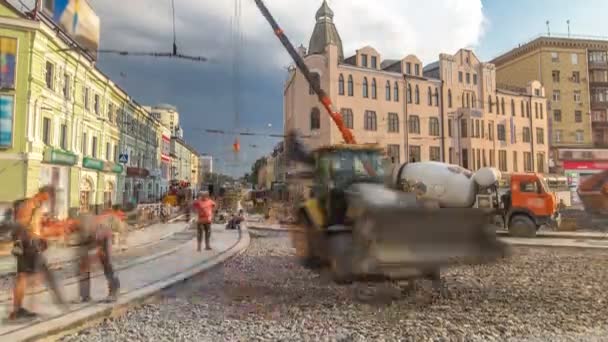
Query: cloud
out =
(203, 92)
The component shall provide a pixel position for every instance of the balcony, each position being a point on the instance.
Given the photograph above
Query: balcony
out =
(598, 104)
(598, 64)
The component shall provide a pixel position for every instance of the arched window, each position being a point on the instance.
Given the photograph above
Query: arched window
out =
(370, 121)
(429, 96)
(315, 119)
(414, 124)
(473, 100)
(434, 127)
(449, 98)
(512, 107)
(408, 93)
(489, 104)
(396, 90)
(468, 96)
(374, 91)
(393, 122)
(387, 90)
(364, 90)
(350, 85)
(347, 117)
(497, 106)
(341, 85)
(436, 97)
(502, 106)
(417, 95)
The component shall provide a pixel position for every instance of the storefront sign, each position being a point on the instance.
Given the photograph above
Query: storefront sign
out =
(112, 167)
(585, 165)
(8, 61)
(137, 172)
(94, 164)
(6, 120)
(60, 157)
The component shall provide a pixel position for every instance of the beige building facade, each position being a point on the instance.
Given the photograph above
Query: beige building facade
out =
(450, 110)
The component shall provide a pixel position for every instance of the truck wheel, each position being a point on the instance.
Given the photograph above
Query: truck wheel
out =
(522, 226)
(340, 257)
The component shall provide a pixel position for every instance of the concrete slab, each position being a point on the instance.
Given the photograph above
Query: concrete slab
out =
(137, 283)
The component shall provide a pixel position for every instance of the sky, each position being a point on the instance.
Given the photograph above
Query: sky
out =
(207, 96)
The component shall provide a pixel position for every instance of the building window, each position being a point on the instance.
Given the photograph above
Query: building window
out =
(556, 95)
(579, 136)
(540, 135)
(449, 98)
(489, 104)
(86, 98)
(483, 125)
(341, 85)
(528, 105)
(468, 102)
(526, 134)
(370, 121)
(468, 78)
(450, 153)
(527, 162)
(434, 127)
(315, 119)
(577, 96)
(557, 115)
(473, 100)
(558, 136)
(540, 109)
(502, 106)
(115, 154)
(374, 60)
(316, 80)
(578, 116)
(84, 144)
(477, 132)
(540, 162)
(502, 160)
(465, 158)
(110, 111)
(347, 117)
(393, 122)
(387, 91)
(364, 60)
(536, 109)
(522, 109)
(497, 106)
(436, 97)
(429, 96)
(94, 147)
(475, 79)
(463, 128)
(374, 89)
(50, 75)
(108, 152)
(512, 107)
(408, 68)
(515, 168)
(450, 128)
(364, 89)
(576, 77)
(478, 158)
(434, 153)
(414, 124)
(408, 94)
(350, 85)
(414, 153)
(96, 104)
(46, 131)
(492, 158)
(491, 130)
(396, 89)
(417, 94)
(417, 69)
(460, 76)
(555, 76)
(67, 86)
(393, 151)
(574, 58)
(501, 133)
(463, 104)
(63, 142)
(554, 57)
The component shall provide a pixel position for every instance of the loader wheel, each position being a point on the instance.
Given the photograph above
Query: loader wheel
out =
(522, 226)
(340, 257)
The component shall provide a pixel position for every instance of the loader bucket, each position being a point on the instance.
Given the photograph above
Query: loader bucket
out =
(391, 239)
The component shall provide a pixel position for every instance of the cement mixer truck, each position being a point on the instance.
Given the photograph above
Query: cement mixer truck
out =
(522, 207)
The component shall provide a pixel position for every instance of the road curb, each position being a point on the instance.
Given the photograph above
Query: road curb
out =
(564, 235)
(554, 246)
(73, 320)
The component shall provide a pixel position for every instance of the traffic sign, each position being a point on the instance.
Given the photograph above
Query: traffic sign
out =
(123, 158)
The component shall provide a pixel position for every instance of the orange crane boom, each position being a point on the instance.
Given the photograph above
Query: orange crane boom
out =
(347, 135)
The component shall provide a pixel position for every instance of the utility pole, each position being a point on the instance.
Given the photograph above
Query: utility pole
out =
(568, 23)
(548, 29)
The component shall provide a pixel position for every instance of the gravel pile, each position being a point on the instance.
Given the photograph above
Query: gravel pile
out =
(263, 295)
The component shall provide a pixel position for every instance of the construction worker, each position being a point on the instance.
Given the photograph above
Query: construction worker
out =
(96, 233)
(28, 248)
(204, 206)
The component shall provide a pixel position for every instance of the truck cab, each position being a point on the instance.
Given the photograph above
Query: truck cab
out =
(528, 204)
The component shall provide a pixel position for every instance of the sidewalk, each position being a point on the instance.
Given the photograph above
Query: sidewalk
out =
(137, 283)
(56, 254)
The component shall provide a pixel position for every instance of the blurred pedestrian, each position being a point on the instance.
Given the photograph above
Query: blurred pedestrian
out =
(120, 227)
(204, 206)
(28, 248)
(95, 233)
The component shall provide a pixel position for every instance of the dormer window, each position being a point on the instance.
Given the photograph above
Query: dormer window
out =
(364, 60)
(417, 69)
(374, 62)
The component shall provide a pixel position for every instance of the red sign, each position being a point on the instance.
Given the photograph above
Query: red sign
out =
(165, 158)
(137, 172)
(585, 165)
(166, 138)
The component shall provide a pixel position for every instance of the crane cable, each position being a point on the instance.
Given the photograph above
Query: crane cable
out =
(237, 41)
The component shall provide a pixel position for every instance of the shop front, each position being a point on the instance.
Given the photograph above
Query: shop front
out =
(98, 184)
(55, 171)
(135, 186)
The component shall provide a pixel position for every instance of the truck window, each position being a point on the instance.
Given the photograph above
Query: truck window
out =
(528, 186)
